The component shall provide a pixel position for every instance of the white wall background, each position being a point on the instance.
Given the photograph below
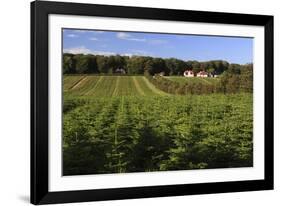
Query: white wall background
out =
(14, 102)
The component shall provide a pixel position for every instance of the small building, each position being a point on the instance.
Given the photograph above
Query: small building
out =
(202, 74)
(213, 74)
(162, 74)
(120, 71)
(188, 73)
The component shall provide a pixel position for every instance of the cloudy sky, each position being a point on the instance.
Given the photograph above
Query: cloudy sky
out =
(185, 47)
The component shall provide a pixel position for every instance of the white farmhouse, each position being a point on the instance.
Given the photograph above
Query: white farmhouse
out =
(202, 74)
(120, 71)
(188, 73)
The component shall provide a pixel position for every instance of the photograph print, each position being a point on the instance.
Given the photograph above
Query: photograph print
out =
(152, 102)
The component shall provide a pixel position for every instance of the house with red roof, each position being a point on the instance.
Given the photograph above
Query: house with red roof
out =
(202, 74)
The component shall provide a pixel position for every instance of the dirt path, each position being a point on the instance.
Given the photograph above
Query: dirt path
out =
(115, 92)
(137, 85)
(153, 88)
(94, 87)
(202, 78)
(78, 83)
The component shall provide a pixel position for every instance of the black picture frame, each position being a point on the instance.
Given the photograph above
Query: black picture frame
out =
(39, 102)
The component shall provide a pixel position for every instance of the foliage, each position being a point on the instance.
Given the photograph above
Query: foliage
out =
(229, 82)
(114, 128)
(88, 64)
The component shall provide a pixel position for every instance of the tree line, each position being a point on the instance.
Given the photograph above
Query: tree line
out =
(233, 80)
(99, 64)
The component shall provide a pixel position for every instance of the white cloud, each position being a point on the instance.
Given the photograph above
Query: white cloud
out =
(136, 52)
(87, 31)
(135, 39)
(129, 37)
(139, 52)
(82, 30)
(157, 41)
(79, 31)
(105, 53)
(130, 53)
(72, 35)
(122, 35)
(77, 50)
(84, 50)
(94, 39)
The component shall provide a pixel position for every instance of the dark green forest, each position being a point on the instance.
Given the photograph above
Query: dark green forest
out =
(98, 64)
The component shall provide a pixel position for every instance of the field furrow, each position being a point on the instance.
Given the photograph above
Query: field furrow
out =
(192, 80)
(108, 86)
(138, 87)
(70, 81)
(115, 92)
(153, 88)
(144, 87)
(78, 83)
(92, 88)
(83, 85)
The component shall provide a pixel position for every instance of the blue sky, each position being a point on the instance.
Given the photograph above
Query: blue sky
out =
(185, 47)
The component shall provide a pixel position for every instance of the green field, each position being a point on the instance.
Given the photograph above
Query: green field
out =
(117, 124)
(184, 80)
(110, 86)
